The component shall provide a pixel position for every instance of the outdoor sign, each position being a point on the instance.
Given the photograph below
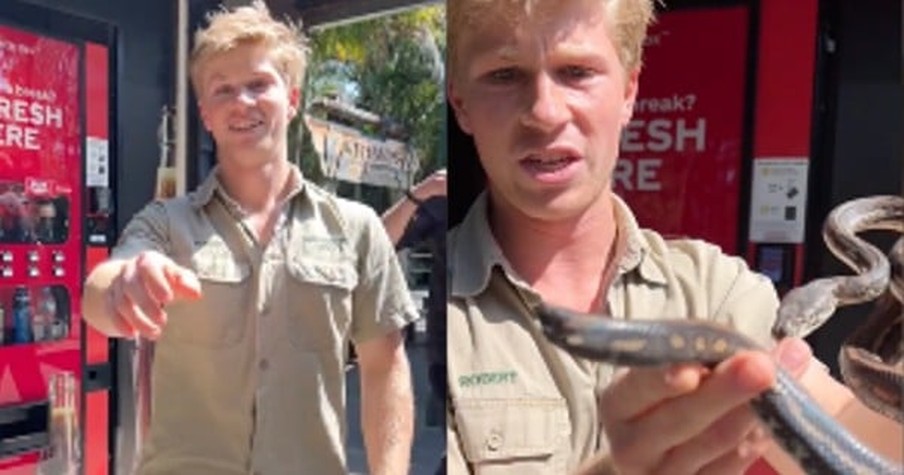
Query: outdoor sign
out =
(681, 154)
(349, 155)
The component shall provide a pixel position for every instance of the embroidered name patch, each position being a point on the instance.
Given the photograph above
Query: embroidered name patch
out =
(327, 248)
(485, 379)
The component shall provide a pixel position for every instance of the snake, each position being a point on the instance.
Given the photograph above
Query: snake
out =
(812, 437)
(806, 308)
(871, 357)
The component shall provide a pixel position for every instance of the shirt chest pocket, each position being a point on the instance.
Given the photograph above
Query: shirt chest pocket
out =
(519, 435)
(319, 302)
(218, 319)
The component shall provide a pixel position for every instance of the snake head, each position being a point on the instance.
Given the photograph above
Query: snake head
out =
(805, 309)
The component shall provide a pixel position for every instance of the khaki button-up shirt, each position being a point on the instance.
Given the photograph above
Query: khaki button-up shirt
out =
(520, 405)
(250, 378)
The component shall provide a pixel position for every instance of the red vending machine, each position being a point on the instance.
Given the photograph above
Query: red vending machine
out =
(54, 206)
(719, 144)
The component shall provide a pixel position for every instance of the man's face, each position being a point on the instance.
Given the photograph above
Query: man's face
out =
(246, 104)
(545, 99)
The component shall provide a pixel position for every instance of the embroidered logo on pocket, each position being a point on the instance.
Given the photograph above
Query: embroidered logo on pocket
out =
(487, 378)
(323, 248)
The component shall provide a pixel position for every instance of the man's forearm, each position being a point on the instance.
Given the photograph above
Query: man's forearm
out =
(387, 412)
(875, 431)
(880, 433)
(396, 218)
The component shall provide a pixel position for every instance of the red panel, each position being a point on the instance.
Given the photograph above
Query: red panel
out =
(98, 90)
(96, 432)
(761, 467)
(785, 67)
(21, 465)
(680, 162)
(96, 344)
(784, 99)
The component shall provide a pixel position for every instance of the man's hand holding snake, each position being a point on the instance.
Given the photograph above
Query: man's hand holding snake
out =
(687, 419)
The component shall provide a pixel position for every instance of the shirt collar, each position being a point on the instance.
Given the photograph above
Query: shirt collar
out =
(476, 253)
(212, 185)
(637, 252)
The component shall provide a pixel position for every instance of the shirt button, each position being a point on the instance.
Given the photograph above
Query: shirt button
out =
(263, 364)
(494, 441)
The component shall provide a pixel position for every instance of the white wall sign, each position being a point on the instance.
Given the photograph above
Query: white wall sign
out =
(97, 162)
(778, 200)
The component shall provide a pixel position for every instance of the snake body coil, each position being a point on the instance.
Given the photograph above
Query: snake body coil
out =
(872, 359)
(811, 436)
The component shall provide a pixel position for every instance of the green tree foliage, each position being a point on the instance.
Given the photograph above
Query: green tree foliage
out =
(390, 65)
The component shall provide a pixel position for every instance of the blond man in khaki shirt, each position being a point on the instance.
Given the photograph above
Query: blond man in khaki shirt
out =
(253, 284)
(544, 88)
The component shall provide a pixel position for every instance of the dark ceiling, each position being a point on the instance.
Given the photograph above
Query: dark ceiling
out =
(319, 12)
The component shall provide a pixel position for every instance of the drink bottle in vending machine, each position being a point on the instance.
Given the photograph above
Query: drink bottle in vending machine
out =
(2, 323)
(21, 316)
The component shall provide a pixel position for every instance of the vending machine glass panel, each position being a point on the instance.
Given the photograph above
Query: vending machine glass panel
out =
(41, 258)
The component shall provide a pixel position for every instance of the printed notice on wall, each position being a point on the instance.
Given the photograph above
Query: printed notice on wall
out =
(97, 162)
(778, 200)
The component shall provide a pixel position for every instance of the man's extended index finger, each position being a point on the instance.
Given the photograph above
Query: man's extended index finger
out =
(184, 282)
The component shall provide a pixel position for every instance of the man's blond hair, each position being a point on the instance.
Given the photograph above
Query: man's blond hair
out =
(251, 24)
(628, 20)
